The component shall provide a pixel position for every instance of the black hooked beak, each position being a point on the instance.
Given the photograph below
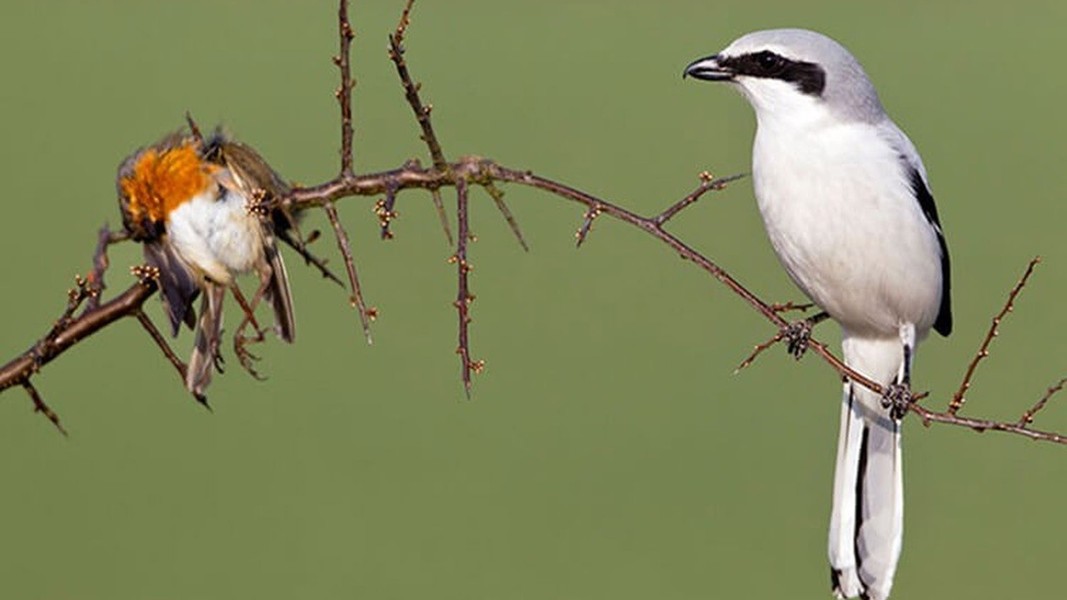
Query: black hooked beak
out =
(708, 69)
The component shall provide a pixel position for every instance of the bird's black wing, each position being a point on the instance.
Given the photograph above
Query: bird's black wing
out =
(943, 323)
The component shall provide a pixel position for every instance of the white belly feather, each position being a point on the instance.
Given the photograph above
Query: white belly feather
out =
(855, 240)
(217, 235)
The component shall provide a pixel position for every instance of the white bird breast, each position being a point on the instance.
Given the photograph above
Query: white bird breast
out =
(838, 207)
(216, 235)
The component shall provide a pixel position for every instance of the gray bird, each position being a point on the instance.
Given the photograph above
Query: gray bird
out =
(846, 204)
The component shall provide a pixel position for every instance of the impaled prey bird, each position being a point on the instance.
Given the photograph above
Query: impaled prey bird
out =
(192, 202)
(845, 201)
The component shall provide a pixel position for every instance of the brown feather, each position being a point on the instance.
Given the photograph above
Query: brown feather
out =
(208, 333)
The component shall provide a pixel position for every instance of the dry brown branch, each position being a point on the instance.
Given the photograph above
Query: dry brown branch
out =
(591, 214)
(757, 350)
(95, 279)
(344, 91)
(463, 296)
(68, 332)
(40, 406)
(422, 115)
(461, 174)
(356, 299)
(792, 306)
(435, 195)
(707, 184)
(994, 328)
(1028, 416)
(161, 341)
(498, 198)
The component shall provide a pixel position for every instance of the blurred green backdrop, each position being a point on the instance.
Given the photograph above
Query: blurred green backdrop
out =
(607, 451)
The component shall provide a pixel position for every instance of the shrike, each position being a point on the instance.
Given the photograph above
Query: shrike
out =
(846, 204)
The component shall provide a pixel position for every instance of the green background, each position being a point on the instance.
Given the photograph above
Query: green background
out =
(607, 451)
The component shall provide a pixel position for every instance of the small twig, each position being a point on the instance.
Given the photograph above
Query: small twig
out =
(435, 195)
(797, 334)
(161, 341)
(463, 296)
(498, 199)
(384, 209)
(422, 115)
(759, 350)
(295, 240)
(590, 215)
(40, 406)
(405, 20)
(411, 90)
(707, 184)
(95, 279)
(76, 296)
(983, 425)
(356, 299)
(792, 306)
(344, 90)
(959, 398)
(1028, 416)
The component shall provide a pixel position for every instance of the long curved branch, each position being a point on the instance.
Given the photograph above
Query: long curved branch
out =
(462, 174)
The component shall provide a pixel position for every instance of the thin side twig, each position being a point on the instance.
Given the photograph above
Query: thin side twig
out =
(294, 238)
(1028, 416)
(40, 406)
(411, 90)
(386, 212)
(422, 113)
(435, 195)
(161, 341)
(463, 296)
(498, 199)
(590, 215)
(784, 307)
(356, 298)
(707, 184)
(172, 358)
(344, 90)
(959, 398)
(759, 349)
(95, 279)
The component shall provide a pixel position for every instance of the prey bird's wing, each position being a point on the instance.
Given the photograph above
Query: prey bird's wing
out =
(257, 179)
(177, 283)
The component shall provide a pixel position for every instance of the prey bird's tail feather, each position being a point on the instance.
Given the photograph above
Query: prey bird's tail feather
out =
(867, 520)
(279, 294)
(206, 346)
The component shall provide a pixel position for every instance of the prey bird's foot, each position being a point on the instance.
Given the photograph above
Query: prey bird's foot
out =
(897, 397)
(216, 357)
(245, 356)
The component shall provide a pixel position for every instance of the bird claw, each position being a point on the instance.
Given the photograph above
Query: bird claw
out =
(797, 336)
(897, 397)
(245, 356)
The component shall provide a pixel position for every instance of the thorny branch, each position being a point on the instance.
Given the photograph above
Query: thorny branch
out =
(344, 92)
(460, 174)
(994, 329)
(422, 115)
(463, 296)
